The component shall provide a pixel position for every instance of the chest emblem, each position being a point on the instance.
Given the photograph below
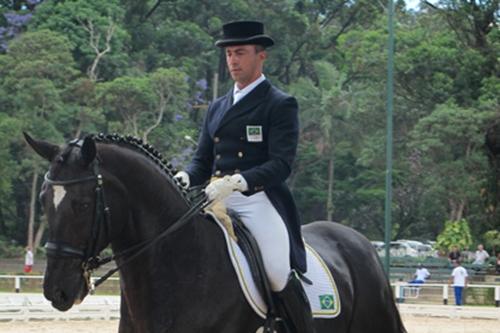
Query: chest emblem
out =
(254, 133)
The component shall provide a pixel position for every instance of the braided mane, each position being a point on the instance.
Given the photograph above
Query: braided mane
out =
(148, 151)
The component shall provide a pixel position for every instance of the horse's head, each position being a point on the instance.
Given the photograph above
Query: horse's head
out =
(75, 227)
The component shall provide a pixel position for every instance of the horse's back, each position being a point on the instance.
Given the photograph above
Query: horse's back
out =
(366, 297)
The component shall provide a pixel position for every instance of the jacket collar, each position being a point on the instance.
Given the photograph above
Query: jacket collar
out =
(252, 99)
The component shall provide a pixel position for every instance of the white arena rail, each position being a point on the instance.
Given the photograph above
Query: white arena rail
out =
(429, 310)
(16, 305)
(24, 307)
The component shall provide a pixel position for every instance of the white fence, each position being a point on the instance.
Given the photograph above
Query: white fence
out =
(409, 290)
(24, 307)
(16, 305)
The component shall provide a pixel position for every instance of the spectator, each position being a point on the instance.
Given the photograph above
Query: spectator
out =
(481, 255)
(454, 254)
(28, 260)
(421, 274)
(459, 278)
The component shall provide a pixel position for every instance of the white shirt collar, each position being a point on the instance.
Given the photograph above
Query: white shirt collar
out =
(238, 94)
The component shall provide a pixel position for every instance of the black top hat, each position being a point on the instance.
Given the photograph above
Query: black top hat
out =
(244, 32)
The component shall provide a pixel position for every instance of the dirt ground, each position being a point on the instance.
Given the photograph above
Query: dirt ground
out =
(413, 324)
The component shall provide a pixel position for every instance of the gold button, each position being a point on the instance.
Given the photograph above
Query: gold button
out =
(242, 138)
(217, 172)
(216, 139)
(217, 156)
(240, 154)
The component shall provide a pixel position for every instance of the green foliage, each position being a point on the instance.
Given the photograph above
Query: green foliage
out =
(455, 233)
(492, 239)
(146, 68)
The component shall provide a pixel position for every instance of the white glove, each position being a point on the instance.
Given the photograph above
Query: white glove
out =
(183, 178)
(222, 188)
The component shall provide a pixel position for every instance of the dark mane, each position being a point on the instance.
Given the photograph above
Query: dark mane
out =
(150, 152)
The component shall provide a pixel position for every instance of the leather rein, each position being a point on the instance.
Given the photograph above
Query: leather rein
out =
(90, 256)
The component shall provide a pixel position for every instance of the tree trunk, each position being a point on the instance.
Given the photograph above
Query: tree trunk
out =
(31, 221)
(329, 202)
(39, 233)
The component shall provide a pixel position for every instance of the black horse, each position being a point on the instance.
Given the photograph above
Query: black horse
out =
(185, 282)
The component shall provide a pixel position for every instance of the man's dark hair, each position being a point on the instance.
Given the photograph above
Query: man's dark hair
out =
(259, 48)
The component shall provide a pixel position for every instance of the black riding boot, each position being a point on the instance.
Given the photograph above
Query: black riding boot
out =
(296, 305)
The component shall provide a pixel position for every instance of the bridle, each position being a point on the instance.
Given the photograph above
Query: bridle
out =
(90, 255)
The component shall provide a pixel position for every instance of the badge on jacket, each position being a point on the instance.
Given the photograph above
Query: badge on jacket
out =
(254, 133)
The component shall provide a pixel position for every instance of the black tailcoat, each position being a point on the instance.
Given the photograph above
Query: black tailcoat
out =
(257, 137)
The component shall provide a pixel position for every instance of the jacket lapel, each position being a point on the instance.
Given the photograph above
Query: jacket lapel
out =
(219, 113)
(254, 98)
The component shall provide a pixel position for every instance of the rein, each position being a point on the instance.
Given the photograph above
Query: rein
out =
(90, 256)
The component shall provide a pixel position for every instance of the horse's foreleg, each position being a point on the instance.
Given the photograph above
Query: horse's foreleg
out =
(126, 325)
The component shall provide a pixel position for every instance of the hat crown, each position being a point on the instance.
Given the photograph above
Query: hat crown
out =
(244, 32)
(242, 29)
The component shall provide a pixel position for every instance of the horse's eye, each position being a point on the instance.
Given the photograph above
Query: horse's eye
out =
(80, 207)
(84, 206)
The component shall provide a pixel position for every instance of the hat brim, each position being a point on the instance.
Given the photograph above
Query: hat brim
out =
(263, 40)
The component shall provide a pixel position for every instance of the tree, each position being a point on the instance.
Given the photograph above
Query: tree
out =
(455, 233)
(36, 70)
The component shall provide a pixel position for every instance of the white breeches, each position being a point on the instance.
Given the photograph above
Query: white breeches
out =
(266, 225)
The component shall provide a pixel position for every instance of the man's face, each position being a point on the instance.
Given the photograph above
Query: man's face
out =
(244, 63)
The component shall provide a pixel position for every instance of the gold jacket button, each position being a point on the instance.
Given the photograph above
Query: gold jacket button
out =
(240, 154)
(217, 172)
(216, 139)
(217, 156)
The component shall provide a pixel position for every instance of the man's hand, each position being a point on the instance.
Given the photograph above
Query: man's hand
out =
(183, 178)
(222, 188)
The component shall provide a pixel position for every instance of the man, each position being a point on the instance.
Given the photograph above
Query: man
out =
(459, 279)
(248, 143)
(421, 274)
(481, 255)
(454, 254)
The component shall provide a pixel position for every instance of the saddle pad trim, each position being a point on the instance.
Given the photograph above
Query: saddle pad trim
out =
(261, 312)
(337, 306)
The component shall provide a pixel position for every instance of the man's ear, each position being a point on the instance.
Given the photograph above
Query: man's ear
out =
(45, 149)
(88, 150)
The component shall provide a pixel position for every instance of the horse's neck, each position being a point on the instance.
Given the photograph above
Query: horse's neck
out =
(151, 198)
(182, 262)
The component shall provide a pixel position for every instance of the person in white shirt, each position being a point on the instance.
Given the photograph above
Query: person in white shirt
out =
(459, 278)
(421, 274)
(481, 255)
(28, 260)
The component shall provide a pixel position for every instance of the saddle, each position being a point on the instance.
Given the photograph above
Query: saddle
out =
(248, 263)
(248, 245)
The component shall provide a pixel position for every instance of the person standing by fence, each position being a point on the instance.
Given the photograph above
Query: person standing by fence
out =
(459, 279)
(28, 260)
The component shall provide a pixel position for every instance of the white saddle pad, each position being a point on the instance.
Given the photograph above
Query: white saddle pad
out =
(323, 294)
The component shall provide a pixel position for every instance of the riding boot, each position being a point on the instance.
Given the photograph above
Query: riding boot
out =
(294, 301)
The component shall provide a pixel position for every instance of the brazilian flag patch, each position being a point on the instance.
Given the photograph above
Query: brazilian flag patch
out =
(327, 302)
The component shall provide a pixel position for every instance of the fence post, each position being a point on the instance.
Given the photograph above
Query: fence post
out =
(445, 294)
(397, 287)
(17, 283)
(497, 296)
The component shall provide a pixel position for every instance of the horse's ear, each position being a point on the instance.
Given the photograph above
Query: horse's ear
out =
(88, 150)
(46, 150)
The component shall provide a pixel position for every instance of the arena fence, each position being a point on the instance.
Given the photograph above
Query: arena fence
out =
(18, 305)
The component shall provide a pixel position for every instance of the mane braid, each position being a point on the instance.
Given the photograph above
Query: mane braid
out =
(148, 151)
